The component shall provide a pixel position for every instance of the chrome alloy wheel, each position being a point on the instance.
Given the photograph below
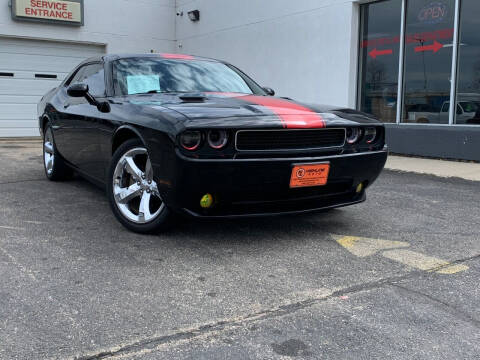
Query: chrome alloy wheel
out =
(48, 152)
(134, 190)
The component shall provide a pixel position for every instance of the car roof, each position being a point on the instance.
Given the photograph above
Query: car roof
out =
(166, 56)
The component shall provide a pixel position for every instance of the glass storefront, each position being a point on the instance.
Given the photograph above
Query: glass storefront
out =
(428, 61)
(429, 51)
(379, 48)
(468, 88)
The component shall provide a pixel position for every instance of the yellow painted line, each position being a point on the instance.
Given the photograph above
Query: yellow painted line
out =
(363, 247)
(452, 269)
(347, 241)
(423, 262)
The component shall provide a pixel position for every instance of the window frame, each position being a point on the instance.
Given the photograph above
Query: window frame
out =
(81, 68)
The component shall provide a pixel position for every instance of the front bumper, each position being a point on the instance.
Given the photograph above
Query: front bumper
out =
(259, 187)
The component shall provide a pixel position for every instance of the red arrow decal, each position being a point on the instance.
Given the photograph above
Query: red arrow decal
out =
(434, 47)
(374, 53)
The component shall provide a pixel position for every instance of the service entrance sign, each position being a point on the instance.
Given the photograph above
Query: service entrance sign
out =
(52, 11)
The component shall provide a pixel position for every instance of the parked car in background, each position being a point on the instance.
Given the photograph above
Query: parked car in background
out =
(423, 113)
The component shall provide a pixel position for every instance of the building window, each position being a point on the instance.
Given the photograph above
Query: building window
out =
(428, 61)
(435, 69)
(468, 89)
(379, 49)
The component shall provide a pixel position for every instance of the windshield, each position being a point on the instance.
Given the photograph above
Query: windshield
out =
(150, 75)
(469, 106)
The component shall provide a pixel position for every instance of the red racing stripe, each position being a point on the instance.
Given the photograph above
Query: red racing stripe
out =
(177, 56)
(292, 116)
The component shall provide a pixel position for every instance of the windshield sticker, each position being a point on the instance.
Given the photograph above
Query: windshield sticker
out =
(143, 83)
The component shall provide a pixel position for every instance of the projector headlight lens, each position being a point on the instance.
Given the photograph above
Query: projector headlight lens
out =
(191, 140)
(353, 135)
(370, 135)
(217, 139)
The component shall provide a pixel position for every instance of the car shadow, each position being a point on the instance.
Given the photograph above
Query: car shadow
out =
(216, 234)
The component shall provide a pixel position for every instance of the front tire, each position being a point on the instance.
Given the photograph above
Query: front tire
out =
(132, 191)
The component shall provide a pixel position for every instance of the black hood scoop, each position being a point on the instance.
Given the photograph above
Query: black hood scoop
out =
(192, 98)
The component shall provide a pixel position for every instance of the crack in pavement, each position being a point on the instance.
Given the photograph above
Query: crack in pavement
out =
(21, 181)
(151, 344)
(448, 307)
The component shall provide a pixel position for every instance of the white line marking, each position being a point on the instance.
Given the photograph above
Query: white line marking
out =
(11, 227)
(20, 266)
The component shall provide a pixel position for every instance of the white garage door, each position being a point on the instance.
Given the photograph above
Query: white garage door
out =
(28, 69)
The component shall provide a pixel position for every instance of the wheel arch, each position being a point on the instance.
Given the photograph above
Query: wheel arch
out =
(44, 119)
(124, 133)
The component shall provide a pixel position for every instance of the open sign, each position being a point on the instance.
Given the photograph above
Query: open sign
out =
(433, 13)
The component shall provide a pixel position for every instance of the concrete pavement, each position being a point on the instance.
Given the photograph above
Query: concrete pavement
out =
(395, 277)
(441, 168)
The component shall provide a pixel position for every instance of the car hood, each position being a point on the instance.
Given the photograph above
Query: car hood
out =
(210, 109)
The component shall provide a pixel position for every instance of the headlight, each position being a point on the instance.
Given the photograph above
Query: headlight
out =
(353, 135)
(370, 134)
(217, 139)
(191, 140)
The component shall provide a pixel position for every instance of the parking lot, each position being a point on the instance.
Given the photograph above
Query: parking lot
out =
(394, 277)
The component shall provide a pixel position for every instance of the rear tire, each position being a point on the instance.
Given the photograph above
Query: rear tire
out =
(132, 191)
(54, 165)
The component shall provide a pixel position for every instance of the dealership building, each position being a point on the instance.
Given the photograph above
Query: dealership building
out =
(405, 61)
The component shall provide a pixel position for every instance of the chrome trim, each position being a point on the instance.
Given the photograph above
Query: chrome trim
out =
(299, 149)
(401, 63)
(273, 159)
(453, 75)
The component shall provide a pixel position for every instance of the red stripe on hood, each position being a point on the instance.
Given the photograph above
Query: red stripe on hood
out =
(292, 115)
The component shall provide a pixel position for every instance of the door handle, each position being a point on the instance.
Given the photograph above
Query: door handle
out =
(66, 105)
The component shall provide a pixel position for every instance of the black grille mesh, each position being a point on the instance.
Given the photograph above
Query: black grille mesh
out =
(264, 140)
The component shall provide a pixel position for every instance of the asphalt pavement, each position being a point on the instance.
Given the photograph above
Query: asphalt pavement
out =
(395, 277)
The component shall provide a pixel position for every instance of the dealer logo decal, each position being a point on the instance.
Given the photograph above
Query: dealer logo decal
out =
(300, 173)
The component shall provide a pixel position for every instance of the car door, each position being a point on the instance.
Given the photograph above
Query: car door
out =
(444, 113)
(80, 123)
(64, 123)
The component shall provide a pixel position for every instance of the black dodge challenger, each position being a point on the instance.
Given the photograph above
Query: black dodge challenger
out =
(171, 133)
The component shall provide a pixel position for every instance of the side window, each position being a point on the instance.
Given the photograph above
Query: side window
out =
(459, 110)
(93, 76)
(76, 78)
(445, 107)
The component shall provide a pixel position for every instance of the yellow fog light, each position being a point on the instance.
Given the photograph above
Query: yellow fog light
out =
(359, 188)
(206, 201)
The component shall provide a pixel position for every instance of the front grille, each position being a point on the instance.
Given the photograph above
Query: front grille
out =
(274, 140)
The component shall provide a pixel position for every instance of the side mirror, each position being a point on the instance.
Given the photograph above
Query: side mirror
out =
(81, 90)
(77, 90)
(269, 91)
